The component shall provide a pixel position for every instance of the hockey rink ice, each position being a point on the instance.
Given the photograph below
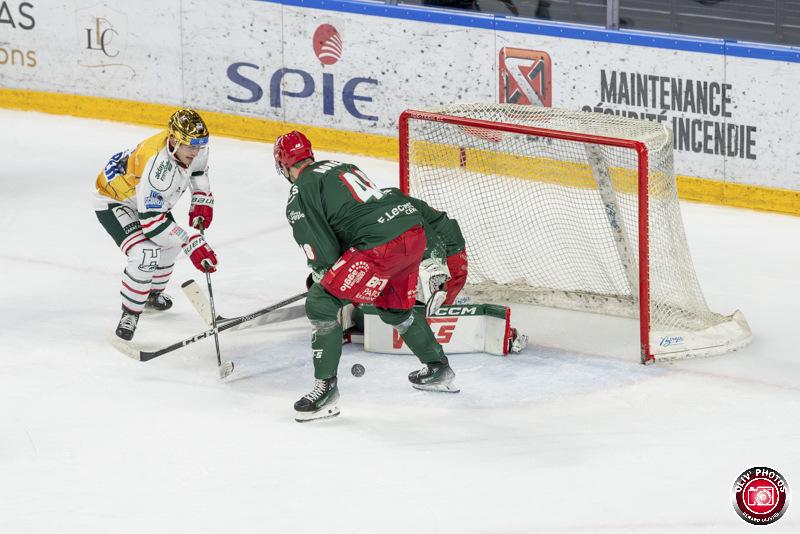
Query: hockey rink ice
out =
(571, 436)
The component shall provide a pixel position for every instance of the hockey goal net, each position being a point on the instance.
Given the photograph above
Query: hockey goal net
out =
(568, 209)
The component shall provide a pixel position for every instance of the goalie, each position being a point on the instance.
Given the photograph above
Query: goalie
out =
(443, 270)
(442, 275)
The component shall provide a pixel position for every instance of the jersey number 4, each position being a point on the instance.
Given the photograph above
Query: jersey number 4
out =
(360, 186)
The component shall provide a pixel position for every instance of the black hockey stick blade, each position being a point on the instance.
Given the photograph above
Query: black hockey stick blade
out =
(137, 352)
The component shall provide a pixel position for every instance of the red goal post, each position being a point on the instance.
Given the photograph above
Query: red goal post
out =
(558, 166)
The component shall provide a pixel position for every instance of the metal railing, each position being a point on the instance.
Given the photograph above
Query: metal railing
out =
(766, 21)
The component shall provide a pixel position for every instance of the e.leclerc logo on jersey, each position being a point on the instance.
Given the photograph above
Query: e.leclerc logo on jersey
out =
(287, 82)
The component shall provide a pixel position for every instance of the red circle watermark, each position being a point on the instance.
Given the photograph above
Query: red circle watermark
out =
(760, 495)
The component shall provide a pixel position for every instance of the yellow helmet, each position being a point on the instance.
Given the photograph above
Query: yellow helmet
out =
(188, 127)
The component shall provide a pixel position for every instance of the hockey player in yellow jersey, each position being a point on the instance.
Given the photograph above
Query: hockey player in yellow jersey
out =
(135, 194)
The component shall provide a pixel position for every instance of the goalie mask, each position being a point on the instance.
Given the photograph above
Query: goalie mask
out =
(289, 149)
(188, 127)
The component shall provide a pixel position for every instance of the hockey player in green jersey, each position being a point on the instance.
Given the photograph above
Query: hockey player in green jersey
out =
(362, 246)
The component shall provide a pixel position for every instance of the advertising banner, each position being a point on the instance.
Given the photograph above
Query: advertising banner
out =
(128, 50)
(329, 69)
(355, 72)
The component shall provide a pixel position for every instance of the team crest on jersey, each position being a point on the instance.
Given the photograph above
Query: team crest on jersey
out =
(154, 201)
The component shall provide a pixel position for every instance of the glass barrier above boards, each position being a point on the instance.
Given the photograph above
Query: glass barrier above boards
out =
(761, 21)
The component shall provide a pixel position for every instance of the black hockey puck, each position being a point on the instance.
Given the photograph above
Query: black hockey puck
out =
(357, 369)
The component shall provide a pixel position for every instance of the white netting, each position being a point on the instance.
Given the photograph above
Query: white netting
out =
(555, 221)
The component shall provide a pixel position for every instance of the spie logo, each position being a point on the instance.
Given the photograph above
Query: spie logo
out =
(327, 44)
(287, 83)
(525, 77)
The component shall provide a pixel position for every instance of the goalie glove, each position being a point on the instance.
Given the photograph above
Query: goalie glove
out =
(517, 341)
(433, 275)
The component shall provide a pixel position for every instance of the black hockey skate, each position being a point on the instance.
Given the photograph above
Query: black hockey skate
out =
(127, 324)
(320, 403)
(436, 376)
(158, 301)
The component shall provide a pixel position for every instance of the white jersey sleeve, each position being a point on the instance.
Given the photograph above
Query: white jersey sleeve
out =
(198, 175)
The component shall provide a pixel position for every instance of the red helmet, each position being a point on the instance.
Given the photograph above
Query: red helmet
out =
(292, 147)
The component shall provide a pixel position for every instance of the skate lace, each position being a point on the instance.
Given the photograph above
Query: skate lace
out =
(320, 388)
(129, 321)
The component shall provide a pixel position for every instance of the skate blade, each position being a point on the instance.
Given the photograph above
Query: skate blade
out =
(442, 388)
(325, 413)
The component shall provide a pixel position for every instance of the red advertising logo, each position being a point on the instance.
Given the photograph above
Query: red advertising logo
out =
(760, 495)
(327, 44)
(443, 335)
(525, 77)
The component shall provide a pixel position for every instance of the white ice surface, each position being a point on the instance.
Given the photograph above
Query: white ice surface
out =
(573, 435)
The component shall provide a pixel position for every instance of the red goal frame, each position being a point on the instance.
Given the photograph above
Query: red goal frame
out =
(643, 186)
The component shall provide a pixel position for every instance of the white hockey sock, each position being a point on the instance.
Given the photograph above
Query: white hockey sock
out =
(135, 290)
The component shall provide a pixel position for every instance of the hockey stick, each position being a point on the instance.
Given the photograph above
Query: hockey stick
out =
(201, 306)
(224, 368)
(136, 352)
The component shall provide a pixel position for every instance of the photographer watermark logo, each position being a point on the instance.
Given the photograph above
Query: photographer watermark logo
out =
(760, 495)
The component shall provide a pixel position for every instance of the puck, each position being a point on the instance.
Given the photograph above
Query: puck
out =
(357, 369)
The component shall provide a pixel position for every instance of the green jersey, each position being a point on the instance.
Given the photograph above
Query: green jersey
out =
(443, 233)
(333, 206)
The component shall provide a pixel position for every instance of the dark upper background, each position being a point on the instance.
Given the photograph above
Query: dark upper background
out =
(765, 21)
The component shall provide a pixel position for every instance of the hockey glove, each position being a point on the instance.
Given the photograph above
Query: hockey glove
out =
(201, 254)
(202, 209)
(433, 275)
